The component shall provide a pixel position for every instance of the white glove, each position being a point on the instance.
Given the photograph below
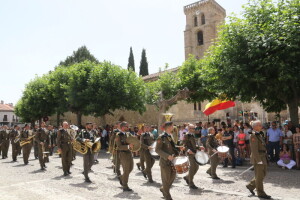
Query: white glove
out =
(260, 163)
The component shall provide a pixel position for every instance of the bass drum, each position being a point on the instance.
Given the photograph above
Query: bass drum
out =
(136, 143)
(181, 164)
(153, 152)
(201, 158)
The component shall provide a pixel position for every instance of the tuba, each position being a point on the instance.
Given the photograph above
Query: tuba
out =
(95, 147)
(79, 147)
(136, 143)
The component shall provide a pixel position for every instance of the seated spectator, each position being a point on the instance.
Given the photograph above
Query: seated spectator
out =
(241, 140)
(296, 141)
(285, 158)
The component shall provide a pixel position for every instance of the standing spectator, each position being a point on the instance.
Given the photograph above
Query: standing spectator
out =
(182, 132)
(154, 132)
(198, 133)
(241, 142)
(204, 134)
(236, 131)
(104, 137)
(286, 158)
(247, 129)
(228, 141)
(274, 141)
(296, 140)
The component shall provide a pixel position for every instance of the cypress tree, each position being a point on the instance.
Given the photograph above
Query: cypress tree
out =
(131, 61)
(144, 64)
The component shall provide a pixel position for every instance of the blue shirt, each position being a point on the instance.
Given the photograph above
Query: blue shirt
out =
(155, 133)
(274, 135)
(204, 132)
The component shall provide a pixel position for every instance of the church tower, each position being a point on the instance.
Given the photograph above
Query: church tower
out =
(202, 20)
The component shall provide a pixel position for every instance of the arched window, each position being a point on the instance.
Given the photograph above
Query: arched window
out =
(195, 21)
(202, 19)
(200, 38)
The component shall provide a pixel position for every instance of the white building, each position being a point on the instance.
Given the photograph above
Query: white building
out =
(7, 115)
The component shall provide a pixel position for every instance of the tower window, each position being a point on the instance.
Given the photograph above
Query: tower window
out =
(195, 21)
(197, 104)
(200, 38)
(202, 19)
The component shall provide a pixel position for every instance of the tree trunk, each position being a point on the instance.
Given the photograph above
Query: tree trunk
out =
(293, 109)
(57, 119)
(103, 120)
(79, 118)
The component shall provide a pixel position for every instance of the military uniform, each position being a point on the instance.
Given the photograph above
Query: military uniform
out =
(15, 146)
(42, 136)
(146, 141)
(212, 144)
(258, 155)
(4, 140)
(35, 145)
(64, 142)
(125, 157)
(27, 147)
(52, 140)
(165, 147)
(189, 143)
(116, 157)
(95, 136)
(88, 158)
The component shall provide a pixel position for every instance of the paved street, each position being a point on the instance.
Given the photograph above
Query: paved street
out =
(29, 182)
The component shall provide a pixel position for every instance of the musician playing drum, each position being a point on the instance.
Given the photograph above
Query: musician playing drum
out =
(189, 142)
(125, 155)
(165, 148)
(211, 145)
(87, 135)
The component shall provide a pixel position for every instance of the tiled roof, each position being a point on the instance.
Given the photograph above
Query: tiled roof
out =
(152, 77)
(6, 107)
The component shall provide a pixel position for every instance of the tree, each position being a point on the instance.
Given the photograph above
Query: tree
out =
(82, 54)
(257, 57)
(112, 87)
(144, 64)
(131, 61)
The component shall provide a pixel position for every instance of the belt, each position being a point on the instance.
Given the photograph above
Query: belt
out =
(123, 151)
(261, 151)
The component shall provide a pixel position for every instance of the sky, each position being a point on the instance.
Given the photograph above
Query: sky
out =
(36, 35)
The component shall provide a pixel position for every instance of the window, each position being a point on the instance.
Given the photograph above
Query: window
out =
(197, 104)
(200, 38)
(5, 118)
(202, 19)
(195, 21)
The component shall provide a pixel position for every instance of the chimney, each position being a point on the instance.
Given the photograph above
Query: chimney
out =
(11, 105)
(2, 102)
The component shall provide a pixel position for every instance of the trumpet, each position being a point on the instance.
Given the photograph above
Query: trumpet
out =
(27, 141)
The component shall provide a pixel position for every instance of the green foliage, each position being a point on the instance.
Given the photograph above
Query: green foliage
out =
(131, 61)
(144, 64)
(82, 54)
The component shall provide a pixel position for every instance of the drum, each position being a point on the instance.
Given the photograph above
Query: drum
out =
(181, 164)
(223, 151)
(153, 152)
(201, 158)
(136, 143)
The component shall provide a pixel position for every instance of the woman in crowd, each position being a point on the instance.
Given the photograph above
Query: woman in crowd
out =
(241, 140)
(286, 158)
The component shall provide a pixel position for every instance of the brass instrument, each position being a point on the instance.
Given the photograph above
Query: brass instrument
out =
(27, 141)
(95, 147)
(85, 146)
(17, 138)
(136, 143)
(45, 153)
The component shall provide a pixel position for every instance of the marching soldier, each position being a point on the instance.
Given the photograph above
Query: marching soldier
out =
(64, 144)
(141, 165)
(42, 139)
(35, 143)
(112, 147)
(166, 149)
(125, 155)
(146, 141)
(95, 133)
(15, 143)
(212, 145)
(4, 140)
(86, 135)
(27, 147)
(259, 160)
(189, 143)
(52, 139)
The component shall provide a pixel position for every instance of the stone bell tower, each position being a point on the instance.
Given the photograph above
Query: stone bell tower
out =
(202, 20)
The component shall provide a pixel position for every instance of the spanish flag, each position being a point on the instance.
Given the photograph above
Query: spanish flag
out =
(217, 104)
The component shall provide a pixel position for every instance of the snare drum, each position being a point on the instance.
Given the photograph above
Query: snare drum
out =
(181, 164)
(223, 152)
(201, 158)
(153, 152)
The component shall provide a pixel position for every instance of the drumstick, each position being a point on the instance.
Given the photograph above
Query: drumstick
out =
(237, 177)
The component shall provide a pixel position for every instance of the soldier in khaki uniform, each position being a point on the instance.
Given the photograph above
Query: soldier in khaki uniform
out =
(15, 145)
(189, 143)
(87, 135)
(42, 138)
(64, 144)
(211, 145)
(125, 155)
(4, 140)
(112, 147)
(166, 149)
(259, 160)
(35, 143)
(27, 147)
(146, 141)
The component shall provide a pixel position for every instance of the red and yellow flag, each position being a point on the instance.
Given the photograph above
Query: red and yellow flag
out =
(217, 104)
